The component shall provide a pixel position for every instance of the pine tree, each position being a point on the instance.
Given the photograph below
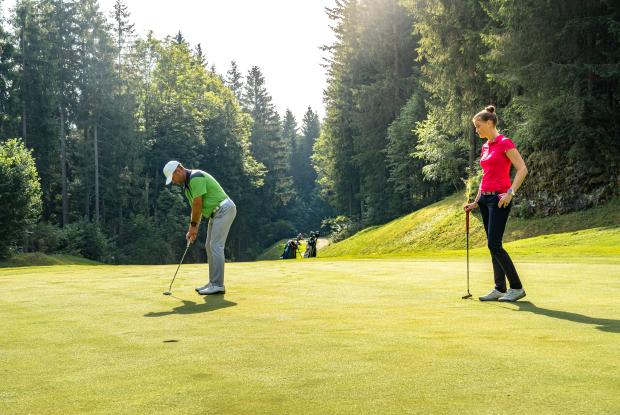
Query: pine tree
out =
(234, 80)
(200, 57)
(305, 178)
(370, 79)
(289, 138)
(124, 31)
(7, 64)
(450, 46)
(333, 157)
(268, 145)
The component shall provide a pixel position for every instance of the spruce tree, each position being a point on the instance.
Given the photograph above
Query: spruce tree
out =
(124, 31)
(234, 80)
(268, 145)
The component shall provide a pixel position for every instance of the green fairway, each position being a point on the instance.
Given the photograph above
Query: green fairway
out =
(315, 336)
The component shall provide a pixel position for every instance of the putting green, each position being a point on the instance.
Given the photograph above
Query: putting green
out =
(315, 337)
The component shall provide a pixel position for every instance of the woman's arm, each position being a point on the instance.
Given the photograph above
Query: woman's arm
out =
(474, 204)
(519, 164)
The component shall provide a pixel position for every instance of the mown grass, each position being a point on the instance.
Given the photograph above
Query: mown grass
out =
(363, 336)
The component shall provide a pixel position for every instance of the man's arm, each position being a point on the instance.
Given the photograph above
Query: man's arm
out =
(192, 232)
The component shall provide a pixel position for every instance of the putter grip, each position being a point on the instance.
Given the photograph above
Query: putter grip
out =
(467, 221)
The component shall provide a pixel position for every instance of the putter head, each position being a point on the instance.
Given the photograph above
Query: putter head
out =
(167, 293)
(468, 295)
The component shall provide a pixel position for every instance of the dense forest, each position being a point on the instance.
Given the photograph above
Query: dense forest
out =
(406, 78)
(100, 110)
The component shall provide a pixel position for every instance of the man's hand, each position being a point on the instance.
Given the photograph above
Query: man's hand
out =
(192, 232)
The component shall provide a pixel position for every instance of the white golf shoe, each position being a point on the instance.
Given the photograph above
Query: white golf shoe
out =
(513, 295)
(492, 296)
(212, 289)
(204, 287)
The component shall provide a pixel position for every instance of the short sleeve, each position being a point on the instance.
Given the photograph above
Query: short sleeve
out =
(198, 186)
(507, 144)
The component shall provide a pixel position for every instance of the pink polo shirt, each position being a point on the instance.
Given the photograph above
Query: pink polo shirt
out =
(496, 164)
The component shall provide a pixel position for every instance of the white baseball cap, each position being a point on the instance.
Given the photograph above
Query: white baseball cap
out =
(169, 168)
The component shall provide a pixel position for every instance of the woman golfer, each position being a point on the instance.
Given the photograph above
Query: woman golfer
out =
(495, 200)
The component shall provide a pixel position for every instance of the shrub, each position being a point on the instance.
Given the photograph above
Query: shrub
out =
(20, 193)
(340, 227)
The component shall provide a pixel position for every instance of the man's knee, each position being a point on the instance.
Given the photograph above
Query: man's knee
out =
(215, 247)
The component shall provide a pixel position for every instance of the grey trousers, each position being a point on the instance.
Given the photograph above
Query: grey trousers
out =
(217, 232)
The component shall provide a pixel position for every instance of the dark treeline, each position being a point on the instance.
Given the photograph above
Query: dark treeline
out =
(102, 110)
(406, 77)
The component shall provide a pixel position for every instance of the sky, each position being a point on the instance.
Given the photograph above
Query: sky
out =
(282, 37)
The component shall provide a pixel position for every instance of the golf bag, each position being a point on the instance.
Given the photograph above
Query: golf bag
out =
(290, 249)
(311, 245)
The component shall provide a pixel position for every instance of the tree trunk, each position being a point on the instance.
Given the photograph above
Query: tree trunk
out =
(63, 167)
(96, 175)
(155, 199)
(146, 196)
(472, 150)
(396, 104)
(87, 207)
(23, 92)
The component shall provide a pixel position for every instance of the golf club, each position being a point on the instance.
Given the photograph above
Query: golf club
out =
(169, 292)
(468, 295)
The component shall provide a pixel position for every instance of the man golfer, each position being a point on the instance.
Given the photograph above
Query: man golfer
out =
(208, 199)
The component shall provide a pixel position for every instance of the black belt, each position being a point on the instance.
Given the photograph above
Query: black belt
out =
(489, 193)
(212, 215)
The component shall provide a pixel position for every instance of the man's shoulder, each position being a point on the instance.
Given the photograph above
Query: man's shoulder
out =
(197, 173)
(199, 176)
(197, 180)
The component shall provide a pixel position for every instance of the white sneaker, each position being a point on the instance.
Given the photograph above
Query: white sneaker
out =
(492, 296)
(513, 295)
(204, 287)
(212, 289)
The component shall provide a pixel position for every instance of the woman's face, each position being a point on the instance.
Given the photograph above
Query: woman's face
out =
(484, 128)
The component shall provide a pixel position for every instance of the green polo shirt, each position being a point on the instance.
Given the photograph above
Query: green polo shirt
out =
(200, 183)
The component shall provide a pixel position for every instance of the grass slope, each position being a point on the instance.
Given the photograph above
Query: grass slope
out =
(366, 336)
(40, 259)
(441, 227)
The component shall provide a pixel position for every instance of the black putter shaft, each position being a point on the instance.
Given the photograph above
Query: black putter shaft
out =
(169, 292)
(467, 249)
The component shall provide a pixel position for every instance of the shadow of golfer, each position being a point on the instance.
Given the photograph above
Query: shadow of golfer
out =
(603, 324)
(190, 307)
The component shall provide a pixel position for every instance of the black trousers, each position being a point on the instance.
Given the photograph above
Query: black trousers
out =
(494, 219)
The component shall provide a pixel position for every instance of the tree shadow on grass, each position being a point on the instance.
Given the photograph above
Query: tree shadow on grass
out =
(190, 307)
(603, 324)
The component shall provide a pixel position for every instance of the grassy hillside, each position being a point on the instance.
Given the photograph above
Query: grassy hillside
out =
(364, 336)
(39, 259)
(441, 227)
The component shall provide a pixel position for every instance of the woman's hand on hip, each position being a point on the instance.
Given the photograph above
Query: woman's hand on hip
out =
(504, 199)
